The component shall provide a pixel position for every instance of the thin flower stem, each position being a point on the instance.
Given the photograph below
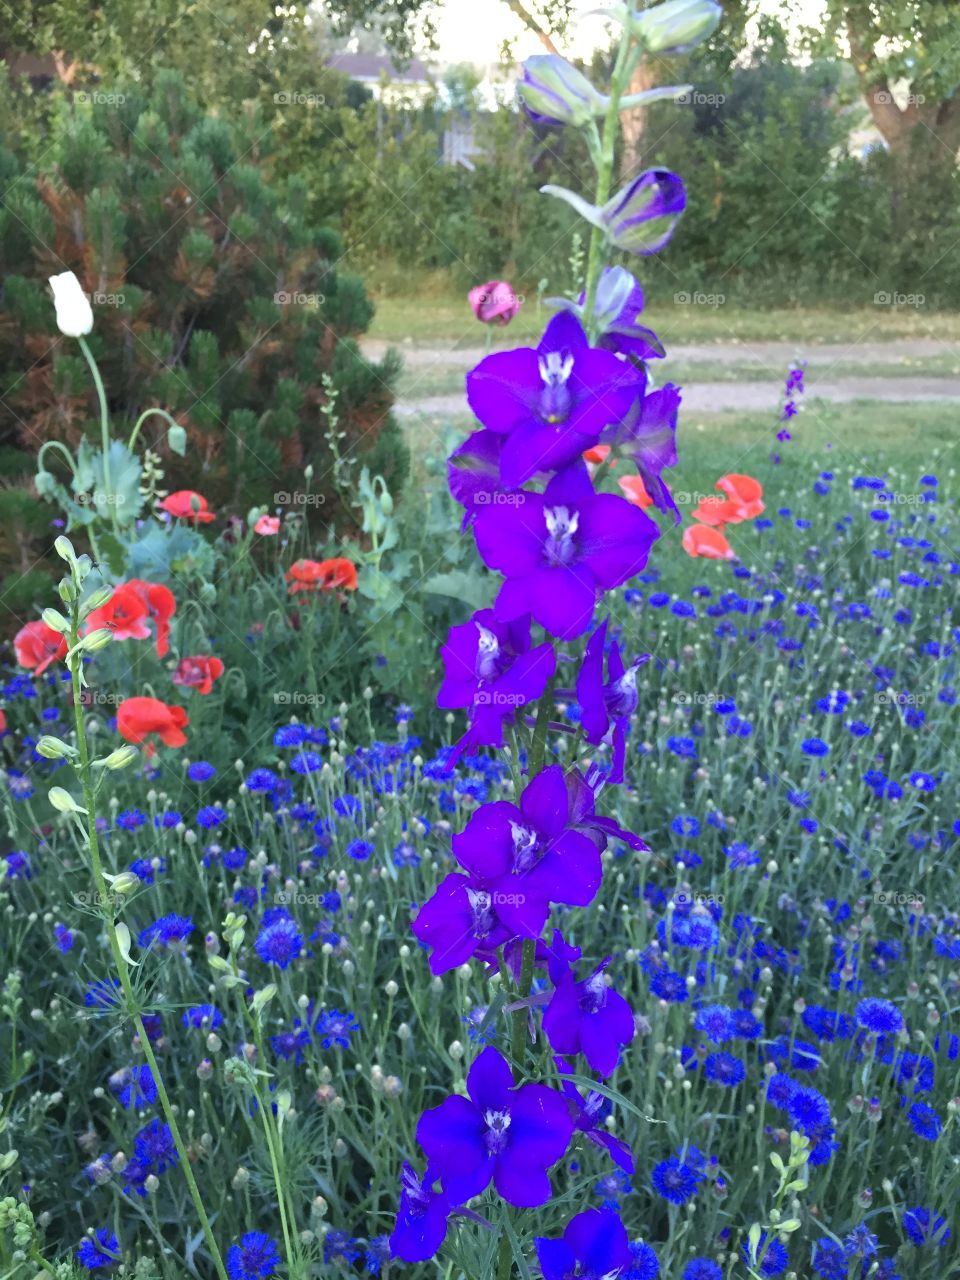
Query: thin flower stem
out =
(104, 428)
(142, 419)
(120, 963)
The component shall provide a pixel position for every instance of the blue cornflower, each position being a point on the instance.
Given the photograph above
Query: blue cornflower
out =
(685, 748)
(925, 1226)
(725, 1069)
(685, 825)
(99, 1251)
(134, 1087)
(306, 762)
(201, 771)
(338, 1246)
(203, 1017)
(741, 855)
(336, 1028)
(102, 994)
(923, 781)
(772, 1256)
(879, 1016)
(860, 1242)
(702, 1269)
(813, 747)
(669, 986)
(261, 780)
(154, 1147)
(676, 1180)
(377, 1254)
(64, 938)
(211, 815)
(360, 850)
(279, 941)
(254, 1257)
(612, 1188)
(829, 1260)
(808, 1110)
(716, 1023)
(858, 729)
(925, 1122)
(130, 819)
(18, 867)
(289, 735)
(168, 929)
(643, 1262)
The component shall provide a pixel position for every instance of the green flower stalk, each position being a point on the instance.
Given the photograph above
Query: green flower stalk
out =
(108, 887)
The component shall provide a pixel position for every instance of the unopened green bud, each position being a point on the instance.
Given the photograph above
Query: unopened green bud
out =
(55, 621)
(118, 759)
(676, 26)
(63, 801)
(54, 748)
(95, 641)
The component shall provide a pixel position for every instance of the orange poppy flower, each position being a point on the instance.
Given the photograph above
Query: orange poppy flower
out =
(745, 492)
(125, 614)
(267, 525)
(185, 504)
(716, 511)
(161, 605)
(635, 491)
(37, 645)
(137, 718)
(597, 453)
(701, 540)
(322, 575)
(197, 673)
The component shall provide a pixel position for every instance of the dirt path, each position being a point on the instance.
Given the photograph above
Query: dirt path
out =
(761, 394)
(715, 397)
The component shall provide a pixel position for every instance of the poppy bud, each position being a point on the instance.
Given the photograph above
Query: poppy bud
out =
(74, 314)
(677, 26)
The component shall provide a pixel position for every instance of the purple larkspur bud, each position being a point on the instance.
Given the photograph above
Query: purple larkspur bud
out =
(554, 92)
(677, 25)
(639, 219)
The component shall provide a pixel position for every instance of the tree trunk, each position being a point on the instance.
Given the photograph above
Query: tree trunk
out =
(634, 122)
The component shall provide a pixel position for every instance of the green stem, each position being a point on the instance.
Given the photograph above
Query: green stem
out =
(142, 419)
(120, 962)
(611, 123)
(104, 427)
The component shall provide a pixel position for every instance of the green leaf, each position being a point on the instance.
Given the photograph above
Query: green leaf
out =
(474, 589)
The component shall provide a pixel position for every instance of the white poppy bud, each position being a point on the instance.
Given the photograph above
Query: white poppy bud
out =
(74, 314)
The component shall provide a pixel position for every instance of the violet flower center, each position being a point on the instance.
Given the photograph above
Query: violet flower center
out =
(562, 523)
(489, 663)
(555, 398)
(593, 994)
(526, 847)
(481, 904)
(418, 1201)
(620, 696)
(495, 1135)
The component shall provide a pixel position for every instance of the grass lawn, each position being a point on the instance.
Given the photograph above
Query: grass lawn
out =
(435, 312)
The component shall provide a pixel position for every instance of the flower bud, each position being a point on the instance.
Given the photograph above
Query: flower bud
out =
(554, 92)
(676, 26)
(74, 313)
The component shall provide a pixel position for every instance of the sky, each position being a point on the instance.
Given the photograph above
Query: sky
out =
(472, 30)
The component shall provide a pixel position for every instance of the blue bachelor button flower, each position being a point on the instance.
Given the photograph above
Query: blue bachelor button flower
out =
(702, 1269)
(360, 850)
(658, 599)
(99, 1251)
(725, 1069)
(210, 816)
(154, 1148)
(254, 1257)
(676, 1180)
(261, 780)
(923, 781)
(741, 855)
(716, 1022)
(201, 771)
(926, 1227)
(772, 1256)
(338, 1246)
(306, 762)
(669, 986)
(882, 1017)
(829, 1260)
(205, 1017)
(644, 1264)
(279, 941)
(814, 747)
(685, 748)
(336, 1028)
(685, 825)
(925, 1122)
(167, 930)
(289, 735)
(130, 819)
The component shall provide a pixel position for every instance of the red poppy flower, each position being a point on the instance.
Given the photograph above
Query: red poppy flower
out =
(37, 645)
(746, 492)
(125, 614)
(139, 717)
(597, 453)
(322, 575)
(3, 723)
(716, 511)
(185, 504)
(701, 540)
(267, 526)
(635, 491)
(161, 606)
(198, 673)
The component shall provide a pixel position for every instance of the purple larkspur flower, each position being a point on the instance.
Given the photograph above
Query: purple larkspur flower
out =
(510, 1135)
(491, 668)
(649, 435)
(641, 217)
(607, 705)
(528, 854)
(421, 1225)
(590, 1112)
(582, 793)
(618, 305)
(461, 920)
(552, 401)
(594, 1245)
(589, 1017)
(473, 473)
(561, 549)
